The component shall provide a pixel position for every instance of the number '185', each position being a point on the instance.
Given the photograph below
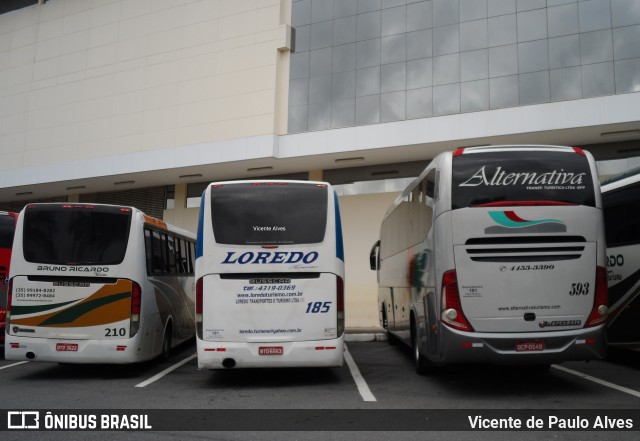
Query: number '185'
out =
(315, 307)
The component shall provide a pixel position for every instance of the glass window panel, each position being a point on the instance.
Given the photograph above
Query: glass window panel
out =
(368, 26)
(597, 80)
(502, 30)
(446, 12)
(393, 77)
(343, 113)
(474, 96)
(474, 65)
(344, 30)
(344, 57)
(392, 106)
(594, 15)
(534, 88)
(320, 115)
(563, 20)
(299, 65)
(368, 81)
(298, 116)
(345, 8)
(527, 5)
(419, 103)
(503, 92)
(393, 48)
(302, 38)
(446, 40)
(419, 44)
(627, 75)
(446, 70)
(321, 10)
(321, 35)
(501, 7)
(320, 61)
(391, 3)
(368, 109)
(473, 10)
(564, 51)
(368, 53)
(344, 85)
(368, 5)
(626, 42)
(394, 21)
(299, 92)
(301, 13)
(566, 84)
(503, 60)
(625, 12)
(533, 56)
(419, 16)
(419, 73)
(446, 99)
(532, 25)
(320, 88)
(596, 47)
(474, 35)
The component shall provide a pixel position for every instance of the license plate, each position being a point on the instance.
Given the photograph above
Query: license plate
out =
(71, 347)
(529, 346)
(270, 350)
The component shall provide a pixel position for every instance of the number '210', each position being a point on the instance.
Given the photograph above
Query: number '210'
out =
(315, 307)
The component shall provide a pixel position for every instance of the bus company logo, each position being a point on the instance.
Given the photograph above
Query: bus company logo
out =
(508, 221)
(501, 177)
(556, 323)
(266, 257)
(17, 329)
(23, 420)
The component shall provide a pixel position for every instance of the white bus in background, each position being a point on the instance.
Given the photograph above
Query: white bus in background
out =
(496, 254)
(270, 275)
(94, 283)
(621, 203)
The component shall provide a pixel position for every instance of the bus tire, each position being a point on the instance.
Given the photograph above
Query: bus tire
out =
(166, 343)
(422, 365)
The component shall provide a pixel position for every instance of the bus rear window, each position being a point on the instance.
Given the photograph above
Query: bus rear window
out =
(526, 176)
(7, 227)
(269, 213)
(75, 234)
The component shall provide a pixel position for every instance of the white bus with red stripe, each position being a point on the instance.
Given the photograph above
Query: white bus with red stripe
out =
(270, 275)
(94, 283)
(497, 254)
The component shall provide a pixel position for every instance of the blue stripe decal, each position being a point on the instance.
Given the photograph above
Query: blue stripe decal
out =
(339, 245)
(200, 227)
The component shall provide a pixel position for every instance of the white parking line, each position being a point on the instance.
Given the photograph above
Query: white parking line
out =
(14, 364)
(166, 371)
(363, 388)
(626, 390)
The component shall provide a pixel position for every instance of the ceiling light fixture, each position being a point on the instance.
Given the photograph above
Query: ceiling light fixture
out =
(124, 182)
(260, 168)
(77, 187)
(355, 158)
(194, 175)
(621, 132)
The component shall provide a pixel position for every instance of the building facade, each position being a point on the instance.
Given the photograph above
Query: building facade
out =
(143, 102)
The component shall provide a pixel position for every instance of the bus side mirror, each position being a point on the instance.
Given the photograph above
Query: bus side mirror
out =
(374, 256)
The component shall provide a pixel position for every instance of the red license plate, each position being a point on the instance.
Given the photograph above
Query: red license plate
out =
(71, 347)
(529, 346)
(270, 350)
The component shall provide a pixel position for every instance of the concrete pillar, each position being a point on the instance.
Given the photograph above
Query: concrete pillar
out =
(315, 175)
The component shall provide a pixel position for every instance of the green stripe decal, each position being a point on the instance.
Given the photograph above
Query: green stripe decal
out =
(23, 310)
(71, 314)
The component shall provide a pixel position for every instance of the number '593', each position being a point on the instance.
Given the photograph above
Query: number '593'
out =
(318, 307)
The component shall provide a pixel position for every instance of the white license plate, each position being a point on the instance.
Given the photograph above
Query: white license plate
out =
(529, 346)
(71, 347)
(270, 350)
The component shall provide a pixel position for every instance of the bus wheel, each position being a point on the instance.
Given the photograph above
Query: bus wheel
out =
(166, 343)
(422, 365)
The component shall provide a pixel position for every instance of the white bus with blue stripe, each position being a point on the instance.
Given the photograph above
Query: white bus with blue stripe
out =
(270, 275)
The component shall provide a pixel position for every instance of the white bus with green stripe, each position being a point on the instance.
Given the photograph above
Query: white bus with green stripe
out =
(93, 283)
(270, 275)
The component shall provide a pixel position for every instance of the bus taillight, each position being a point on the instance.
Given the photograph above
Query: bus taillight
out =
(199, 308)
(136, 302)
(340, 304)
(452, 314)
(8, 308)
(600, 309)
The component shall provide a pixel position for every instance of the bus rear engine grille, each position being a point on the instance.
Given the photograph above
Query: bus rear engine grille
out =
(525, 248)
